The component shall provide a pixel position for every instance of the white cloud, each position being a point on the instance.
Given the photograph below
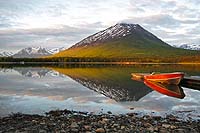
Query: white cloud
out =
(25, 23)
(46, 37)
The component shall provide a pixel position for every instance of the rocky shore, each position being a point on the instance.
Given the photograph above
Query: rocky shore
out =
(61, 121)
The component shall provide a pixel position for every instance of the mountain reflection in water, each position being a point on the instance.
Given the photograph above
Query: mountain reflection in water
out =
(114, 83)
(89, 88)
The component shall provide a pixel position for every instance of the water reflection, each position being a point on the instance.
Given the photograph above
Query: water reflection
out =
(107, 83)
(112, 82)
(38, 82)
(32, 71)
(192, 82)
(40, 89)
(166, 89)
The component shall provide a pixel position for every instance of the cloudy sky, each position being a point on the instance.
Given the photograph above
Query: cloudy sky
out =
(57, 23)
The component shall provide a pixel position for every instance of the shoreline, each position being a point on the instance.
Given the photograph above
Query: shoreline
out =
(75, 121)
(107, 63)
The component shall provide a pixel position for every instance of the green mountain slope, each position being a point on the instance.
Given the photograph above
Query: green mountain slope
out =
(124, 41)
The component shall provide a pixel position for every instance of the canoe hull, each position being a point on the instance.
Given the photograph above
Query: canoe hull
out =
(166, 78)
(174, 81)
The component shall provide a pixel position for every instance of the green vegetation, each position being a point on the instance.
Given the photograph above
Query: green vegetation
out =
(137, 47)
(139, 59)
(132, 48)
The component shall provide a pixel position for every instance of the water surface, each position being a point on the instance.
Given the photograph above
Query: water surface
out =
(35, 90)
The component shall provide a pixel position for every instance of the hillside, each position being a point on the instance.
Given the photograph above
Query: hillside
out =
(124, 41)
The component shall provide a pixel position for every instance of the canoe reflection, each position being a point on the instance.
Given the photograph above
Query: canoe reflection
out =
(166, 89)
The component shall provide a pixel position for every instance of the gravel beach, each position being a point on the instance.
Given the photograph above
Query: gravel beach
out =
(61, 121)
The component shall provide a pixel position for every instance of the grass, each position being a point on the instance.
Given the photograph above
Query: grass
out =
(138, 47)
(129, 47)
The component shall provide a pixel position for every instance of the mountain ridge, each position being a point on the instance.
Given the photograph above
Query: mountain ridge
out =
(123, 41)
(192, 46)
(113, 33)
(32, 52)
(6, 54)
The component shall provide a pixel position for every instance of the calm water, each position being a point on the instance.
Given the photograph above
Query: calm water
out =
(35, 90)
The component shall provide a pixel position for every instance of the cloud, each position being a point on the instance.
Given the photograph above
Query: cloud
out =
(46, 37)
(152, 6)
(54, 23)
(195, 30)
(177, 21)
(164, 20)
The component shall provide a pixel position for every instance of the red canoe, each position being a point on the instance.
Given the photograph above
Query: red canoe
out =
(166, 89)
(168, 78)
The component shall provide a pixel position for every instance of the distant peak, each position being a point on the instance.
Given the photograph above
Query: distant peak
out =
(191, 46)
(127, 25)
(5, 54)
(114, 32)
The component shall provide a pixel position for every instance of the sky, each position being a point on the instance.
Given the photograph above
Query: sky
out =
(62, 23)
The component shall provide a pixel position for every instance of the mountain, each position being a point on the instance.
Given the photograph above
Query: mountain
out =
(123, 41)
(113, 82)
(6, 54)
(190, 46)
(119, 31)
(31, 52)
(35, 52)
(55, 50)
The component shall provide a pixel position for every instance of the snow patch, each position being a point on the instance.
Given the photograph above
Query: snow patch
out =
(190, 46)
(114, 32)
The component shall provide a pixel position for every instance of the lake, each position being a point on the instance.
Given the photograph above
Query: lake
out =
(92, 88)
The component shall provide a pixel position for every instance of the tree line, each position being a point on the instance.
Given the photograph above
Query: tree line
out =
(98, 59)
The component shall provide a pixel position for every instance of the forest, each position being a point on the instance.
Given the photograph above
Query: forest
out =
(182, 59)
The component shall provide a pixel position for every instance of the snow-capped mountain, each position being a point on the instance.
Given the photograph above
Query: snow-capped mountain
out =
(31, 52)
(34, 52)
(190, 46)
(117, 31)
(55, 50)
(6, 54)
(119, 41)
